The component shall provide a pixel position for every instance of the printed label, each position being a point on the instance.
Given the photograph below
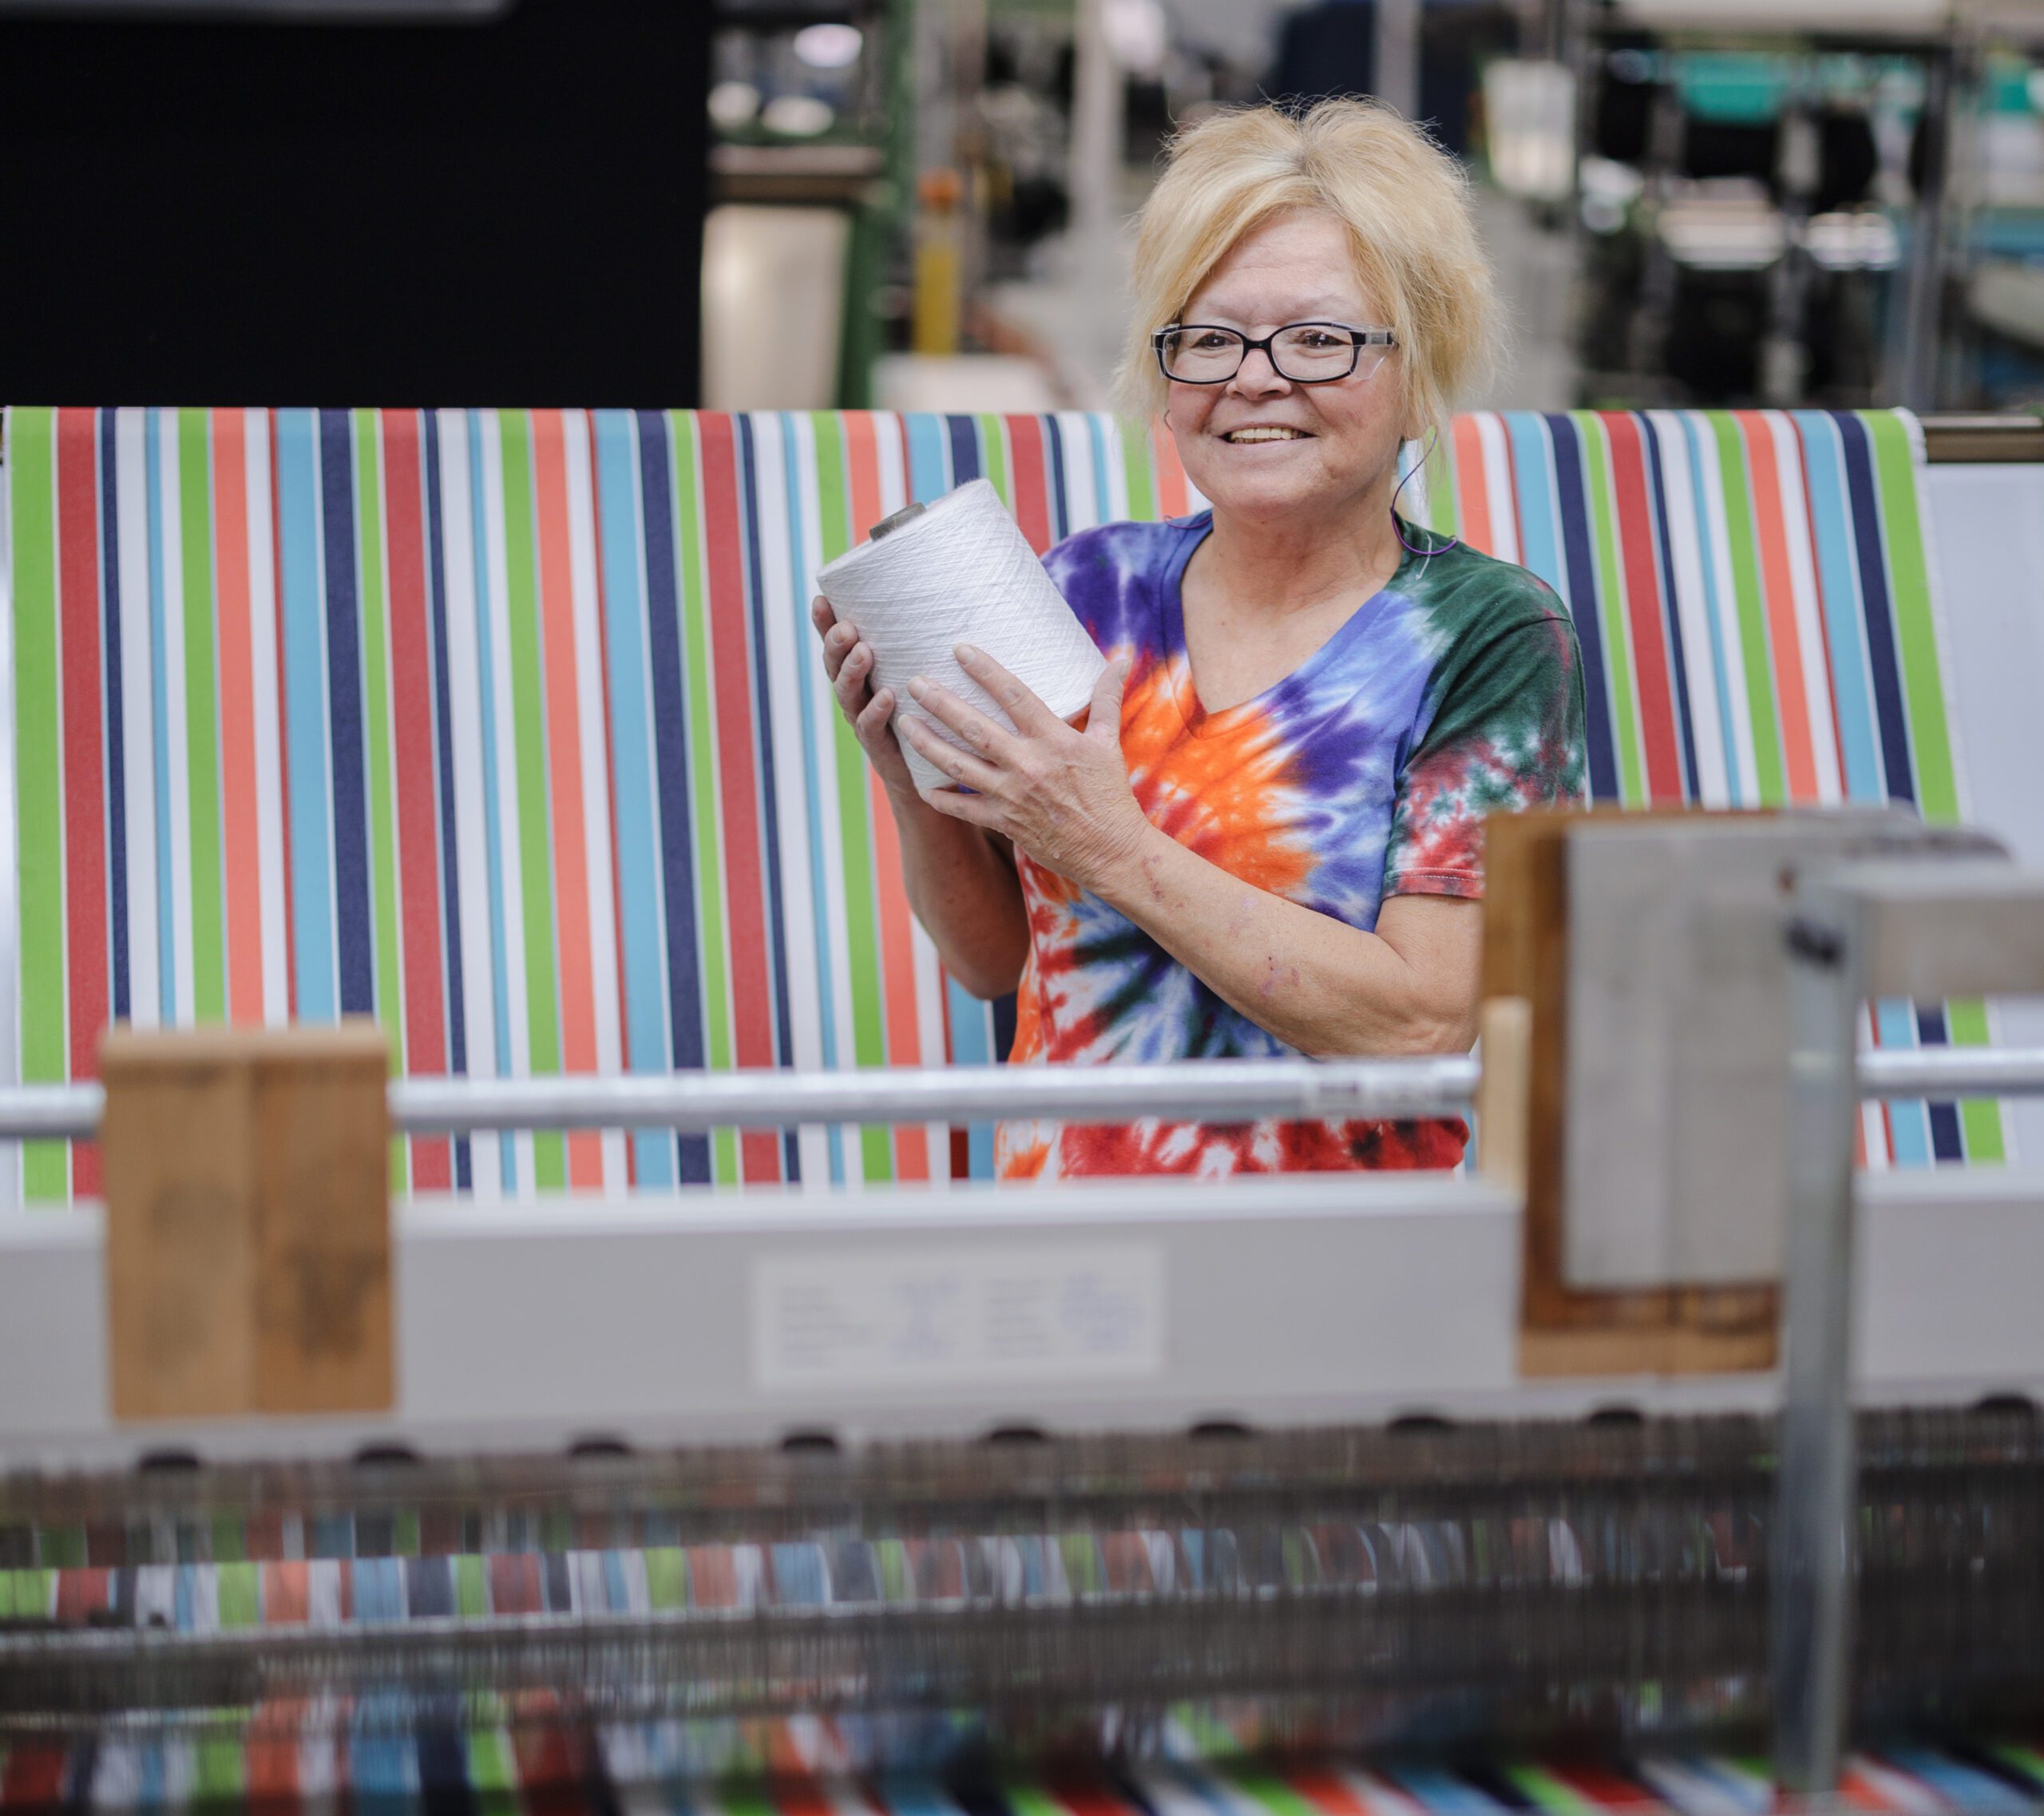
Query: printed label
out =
(849, 1318)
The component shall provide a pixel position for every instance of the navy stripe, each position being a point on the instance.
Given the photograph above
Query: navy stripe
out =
(559, 1597)
(1060, 520)
(755, 592)
(116, 733)
(429, 1587)
(443, 1763)
(1582, 608)
(964, 448)
(1947, 1143)
(436, 583)
(1669, 616)
(670, 758)
(1889, 713)
(351, 912)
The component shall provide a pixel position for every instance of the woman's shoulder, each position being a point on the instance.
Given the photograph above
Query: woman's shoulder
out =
(1118, 553)
(1468, 593)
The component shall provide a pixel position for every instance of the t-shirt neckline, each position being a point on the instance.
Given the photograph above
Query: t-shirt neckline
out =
(1170, 614)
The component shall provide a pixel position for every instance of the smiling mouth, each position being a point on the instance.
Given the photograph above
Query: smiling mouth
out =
(1241, 437)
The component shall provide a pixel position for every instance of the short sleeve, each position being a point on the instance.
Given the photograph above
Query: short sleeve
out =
(1502, 730)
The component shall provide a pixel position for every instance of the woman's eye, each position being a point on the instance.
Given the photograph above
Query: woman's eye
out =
(1319, 340)
(1211, 342)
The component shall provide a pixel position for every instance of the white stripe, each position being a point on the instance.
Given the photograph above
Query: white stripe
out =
(1692, 620)
(823, 706)
(792, 654)
(269, 740)
(1810, 620)
(594, 723)
(471, 854)
(1117, 473)
(1076, 440)
(1497, 484)
(495, 602)
(177, 741)
(1380, 1796)
(1744, 787)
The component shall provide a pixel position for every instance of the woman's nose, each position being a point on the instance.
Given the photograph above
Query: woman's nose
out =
(1259, 374)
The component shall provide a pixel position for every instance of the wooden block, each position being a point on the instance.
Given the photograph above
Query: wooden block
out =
(180, 1223)
(1503, 1093)
(321, 1172)
(248, 1232)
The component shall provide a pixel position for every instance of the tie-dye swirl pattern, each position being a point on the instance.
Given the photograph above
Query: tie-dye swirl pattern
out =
(1455, 692)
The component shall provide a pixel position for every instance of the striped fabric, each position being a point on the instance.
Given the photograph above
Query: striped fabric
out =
(464, 1761)
(506, 727)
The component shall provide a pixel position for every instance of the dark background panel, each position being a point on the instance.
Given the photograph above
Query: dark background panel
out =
(223, 213)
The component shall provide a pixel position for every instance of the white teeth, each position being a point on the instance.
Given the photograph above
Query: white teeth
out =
(1264, 435)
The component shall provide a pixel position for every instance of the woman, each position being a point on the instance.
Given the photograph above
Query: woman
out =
(1265, 837)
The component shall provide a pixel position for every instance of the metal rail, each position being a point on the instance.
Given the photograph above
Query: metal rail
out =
(1214, 1091)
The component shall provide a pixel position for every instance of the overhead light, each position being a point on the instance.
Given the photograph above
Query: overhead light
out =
(829, 46)
(799, 116)
(732, 105)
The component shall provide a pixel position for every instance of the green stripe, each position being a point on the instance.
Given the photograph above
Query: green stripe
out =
(1136, 469)
(241, 1595)
(376, 689)
(1443, 503)
(855, 827)
(471, 1587)
(493, 1774)
(528, 714)
(742, 1800)
(38, 772)
(62, 1548)
(195, 512)
(230, 1538)
(705, 817)
(1741, 537)
(1549, 1793)
(1611, 603)
(404, 1534)
(1929, 731)
(1274, 1793)
(993, 456)
(1027, 1800)
(219, 1769)
(666, 1577)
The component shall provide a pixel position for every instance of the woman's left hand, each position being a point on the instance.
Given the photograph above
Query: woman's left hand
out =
(1060, 795)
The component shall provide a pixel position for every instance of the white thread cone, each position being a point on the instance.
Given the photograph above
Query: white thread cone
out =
(961, 573)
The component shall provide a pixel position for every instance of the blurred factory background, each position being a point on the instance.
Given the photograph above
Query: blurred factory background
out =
(924, 203)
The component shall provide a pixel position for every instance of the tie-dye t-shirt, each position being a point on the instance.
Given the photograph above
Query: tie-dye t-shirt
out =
(1455, 692)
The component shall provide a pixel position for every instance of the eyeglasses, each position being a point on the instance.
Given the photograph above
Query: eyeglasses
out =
(1307, 352)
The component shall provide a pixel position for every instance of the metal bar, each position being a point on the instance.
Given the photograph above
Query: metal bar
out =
(1961, 439)
(1810, 1603)
(1384, 1089)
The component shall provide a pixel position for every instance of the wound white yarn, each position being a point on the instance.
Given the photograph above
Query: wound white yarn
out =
(961, 573)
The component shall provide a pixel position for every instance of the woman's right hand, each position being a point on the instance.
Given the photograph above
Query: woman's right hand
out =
(848, 661)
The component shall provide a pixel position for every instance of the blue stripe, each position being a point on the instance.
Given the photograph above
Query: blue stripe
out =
(1838, 589)
(671, 749)
(116, 734)
(1707, 559)
(1532, 461)
(928, 477)
(813, 779)
(1889, 712)
(1947, 1142)
(1445, 1793)
(1581, 595)
(305, 715)
(964, 434)
(1103, 496)
(351, 912)
(436, 581)
(1670, 613)
(632, 768)
(159, 672)
(1054, 441)
(493, 833)
(755, 595)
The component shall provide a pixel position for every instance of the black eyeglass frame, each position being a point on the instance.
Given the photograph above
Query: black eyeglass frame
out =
(1360, 338)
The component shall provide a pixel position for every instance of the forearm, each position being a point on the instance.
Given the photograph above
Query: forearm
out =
(1318, 985)
(963, 890)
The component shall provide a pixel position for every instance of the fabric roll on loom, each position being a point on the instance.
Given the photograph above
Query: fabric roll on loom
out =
(955, 571)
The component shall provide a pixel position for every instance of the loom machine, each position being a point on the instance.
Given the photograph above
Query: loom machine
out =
(1662, 1434)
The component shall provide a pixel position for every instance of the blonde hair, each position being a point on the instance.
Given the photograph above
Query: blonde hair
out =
(1405, 202)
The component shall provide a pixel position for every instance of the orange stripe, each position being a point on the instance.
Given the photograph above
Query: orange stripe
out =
(1173, 499)
(897, 950)
(1790, 699)
(237, 708)
(578, 995)
(1474, 485)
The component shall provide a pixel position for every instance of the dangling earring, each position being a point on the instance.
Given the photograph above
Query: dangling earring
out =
(1433, 435)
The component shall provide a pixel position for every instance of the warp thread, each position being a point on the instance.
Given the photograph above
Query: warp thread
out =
(961, 571)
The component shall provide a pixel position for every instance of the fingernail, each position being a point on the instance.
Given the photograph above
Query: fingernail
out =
(917, 688)
(965, 652)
